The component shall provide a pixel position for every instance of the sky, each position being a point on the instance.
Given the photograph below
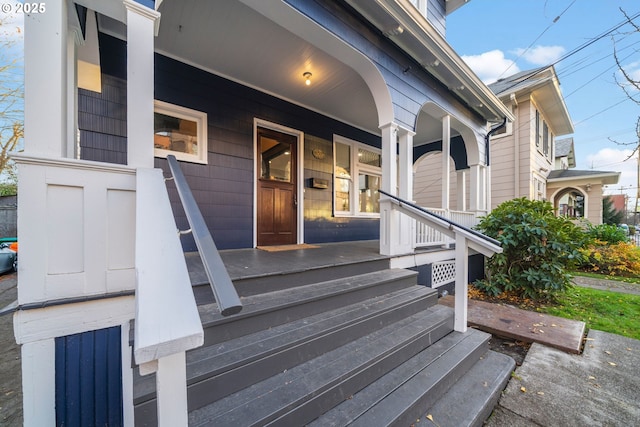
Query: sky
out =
(498, 38)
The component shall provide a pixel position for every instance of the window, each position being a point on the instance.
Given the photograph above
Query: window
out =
(358, 175)
(538, 129)
(545, 139)
(179, 131)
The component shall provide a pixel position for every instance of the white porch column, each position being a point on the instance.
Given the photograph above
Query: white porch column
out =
(171, 385)
(406, 232)
(446, 154)
(462, 190)
(45, 81)
(140, 80)
(405, 141)
(389, 218)
(474, 188)
(462, 278)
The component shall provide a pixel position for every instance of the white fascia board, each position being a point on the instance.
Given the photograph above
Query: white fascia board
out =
(410, 19)
(606, 177)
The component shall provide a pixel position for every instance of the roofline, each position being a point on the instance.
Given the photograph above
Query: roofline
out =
(553, 79)
(412, 22)
(594, 176)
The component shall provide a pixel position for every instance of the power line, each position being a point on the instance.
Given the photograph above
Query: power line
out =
(556, 19)
(575, 50)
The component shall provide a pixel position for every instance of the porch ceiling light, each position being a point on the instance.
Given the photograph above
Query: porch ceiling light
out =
(307, 77)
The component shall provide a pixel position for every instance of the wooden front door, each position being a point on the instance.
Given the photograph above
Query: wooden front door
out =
(277, 188)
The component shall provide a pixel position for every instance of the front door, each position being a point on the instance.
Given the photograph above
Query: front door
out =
(277, 189)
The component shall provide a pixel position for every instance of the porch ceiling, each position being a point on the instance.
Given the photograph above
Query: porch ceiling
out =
(231, 39)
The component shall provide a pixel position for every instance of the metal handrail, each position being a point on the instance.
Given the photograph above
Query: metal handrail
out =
(221, 285)
(450, 223)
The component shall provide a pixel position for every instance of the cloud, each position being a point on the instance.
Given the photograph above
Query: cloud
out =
(611, 159)
(541, 55)
(489, 66)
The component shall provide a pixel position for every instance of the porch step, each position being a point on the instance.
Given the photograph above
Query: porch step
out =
(279, 307)
(302, 393)
(471, 400)
(217, 370)
(399, 397)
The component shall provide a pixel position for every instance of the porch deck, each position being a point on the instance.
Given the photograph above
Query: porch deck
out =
(253, 263)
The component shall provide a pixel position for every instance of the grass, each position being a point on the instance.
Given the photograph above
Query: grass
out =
(606, 311)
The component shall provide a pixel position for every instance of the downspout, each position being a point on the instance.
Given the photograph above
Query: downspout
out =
(516, 149)
(487, 193)
(488, 135)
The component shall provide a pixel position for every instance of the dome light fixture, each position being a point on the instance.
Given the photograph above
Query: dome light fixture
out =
(307, 78)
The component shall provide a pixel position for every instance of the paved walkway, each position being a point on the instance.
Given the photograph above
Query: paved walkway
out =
(554, 388)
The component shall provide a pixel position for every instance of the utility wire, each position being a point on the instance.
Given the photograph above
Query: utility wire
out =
(574, 51)
(556, 19)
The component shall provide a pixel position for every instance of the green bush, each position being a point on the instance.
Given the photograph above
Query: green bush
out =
(538, 249)
(610, 234)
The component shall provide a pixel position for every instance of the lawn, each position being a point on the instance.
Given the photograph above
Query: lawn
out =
(606, 311)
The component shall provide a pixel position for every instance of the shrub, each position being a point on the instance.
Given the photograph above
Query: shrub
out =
(538, 249)
(610, 234)
(619, 259)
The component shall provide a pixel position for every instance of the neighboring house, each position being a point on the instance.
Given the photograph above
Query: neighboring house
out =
(577, 193)
(287, 119)
(527, 159)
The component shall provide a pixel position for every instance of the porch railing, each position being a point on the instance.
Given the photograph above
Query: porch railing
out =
(429, 236)
(167, 322)
(464, 238)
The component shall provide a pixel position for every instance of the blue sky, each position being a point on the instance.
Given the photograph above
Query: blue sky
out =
(501, 37)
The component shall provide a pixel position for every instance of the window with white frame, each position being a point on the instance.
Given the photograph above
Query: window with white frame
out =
(358, 175)
(179, 131)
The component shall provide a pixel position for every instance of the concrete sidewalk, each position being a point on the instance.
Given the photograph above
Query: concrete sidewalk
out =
(554, 388)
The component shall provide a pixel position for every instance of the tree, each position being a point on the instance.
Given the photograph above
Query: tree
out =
(629, 84)
(11, 101)
(538, 249)
(609, 214)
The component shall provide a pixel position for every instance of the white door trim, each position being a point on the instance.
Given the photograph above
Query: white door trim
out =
(299, 178)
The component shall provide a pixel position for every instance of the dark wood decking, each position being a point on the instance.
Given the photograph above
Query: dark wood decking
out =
(250, 263)
(527, 326)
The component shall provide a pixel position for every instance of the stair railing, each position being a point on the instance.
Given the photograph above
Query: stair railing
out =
(464, 237)
(219, 280)
(167, 322)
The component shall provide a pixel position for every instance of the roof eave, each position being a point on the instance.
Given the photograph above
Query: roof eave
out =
(608, 178)
(419, 39)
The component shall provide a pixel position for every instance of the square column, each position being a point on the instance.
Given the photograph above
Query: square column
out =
(446, 154)
(45, 81)
(389, 217)
(140, 83)
(461, 190)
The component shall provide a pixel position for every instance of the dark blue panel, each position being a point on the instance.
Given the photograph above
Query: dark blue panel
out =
(87, 384)
(60, 383)
(72, 392)
(89, 379)
(458, 151)
(101, 377)
(114, 376)
(326, 230)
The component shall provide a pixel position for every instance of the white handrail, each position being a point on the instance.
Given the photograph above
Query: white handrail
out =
(465, 238)
(167, 322)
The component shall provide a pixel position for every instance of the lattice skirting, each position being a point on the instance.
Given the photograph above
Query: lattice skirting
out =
(443, 272)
